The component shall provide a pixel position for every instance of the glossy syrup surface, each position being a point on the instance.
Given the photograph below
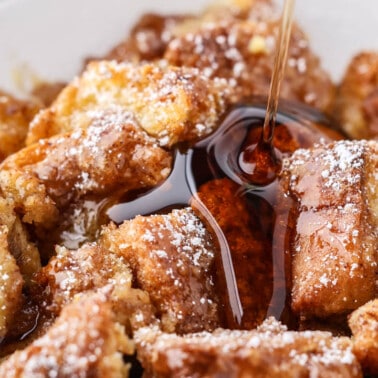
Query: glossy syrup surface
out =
(253, 225)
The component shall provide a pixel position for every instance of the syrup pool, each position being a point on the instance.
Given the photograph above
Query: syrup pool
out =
(253, 278)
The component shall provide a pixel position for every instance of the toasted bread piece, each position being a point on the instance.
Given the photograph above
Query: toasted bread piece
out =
(15, 116)
(111, 153)
(84, 341)
(160, 266)
(171, 257)
(172, 104)
(149, 37)
(91, 268)
(335, 249)
(234, 40)
(356, 105)
(269, 351)
(364, 325)
(243, 53)
(11, 283)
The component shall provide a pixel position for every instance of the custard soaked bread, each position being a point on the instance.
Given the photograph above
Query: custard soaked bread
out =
(111, 152)
(92, 268)
(335, 248)
(170, 103)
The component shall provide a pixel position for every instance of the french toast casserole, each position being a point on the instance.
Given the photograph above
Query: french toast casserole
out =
(131, 244)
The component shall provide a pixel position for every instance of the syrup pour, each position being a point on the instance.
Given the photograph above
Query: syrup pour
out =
(261, 161)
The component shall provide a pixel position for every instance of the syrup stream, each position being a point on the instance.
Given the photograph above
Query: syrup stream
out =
(278, 71)
(278, 299)
(262, 162)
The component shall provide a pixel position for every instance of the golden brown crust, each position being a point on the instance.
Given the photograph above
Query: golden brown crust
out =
(243, 53)
(91, 268)
(356, 106)
(364, 325)
(103, 136)
(171, 257)
(84, 341)
(149, 37)
(111, 153)
(335, 250)
(234, 40)
(11, 283)
(169, 103)
(15, 116)
(167, 258)
(269, 351)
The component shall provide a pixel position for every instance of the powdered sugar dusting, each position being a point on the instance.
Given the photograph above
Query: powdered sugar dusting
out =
(289, 351)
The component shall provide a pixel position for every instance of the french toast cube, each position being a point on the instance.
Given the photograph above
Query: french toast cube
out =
(335, 249)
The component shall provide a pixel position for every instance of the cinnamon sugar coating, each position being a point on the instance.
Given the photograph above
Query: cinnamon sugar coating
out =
(112, 152)
(268, 351)
(356, 105)
(335, 249)
(364, 325)
(234, 40)
(91, 268)
(149, 37)
(15, 116)
(84, 341)
(243, 53)
(171, 257)
(171, 104)
(160, 267)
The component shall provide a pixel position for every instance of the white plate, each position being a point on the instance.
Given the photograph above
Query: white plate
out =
(49, 38)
